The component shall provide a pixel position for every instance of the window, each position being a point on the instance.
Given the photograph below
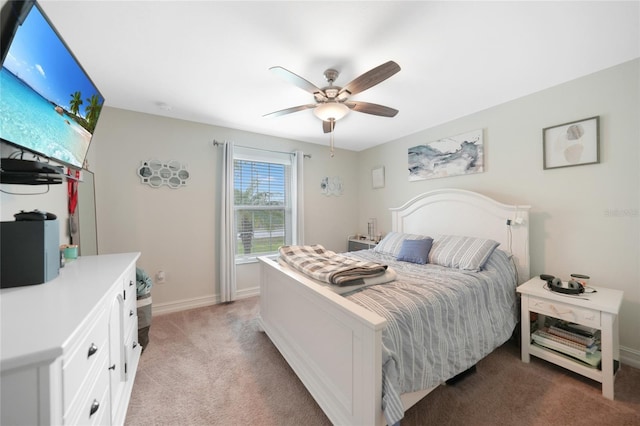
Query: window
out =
(264, 202)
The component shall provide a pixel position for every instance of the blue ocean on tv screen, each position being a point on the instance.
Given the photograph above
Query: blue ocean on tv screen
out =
(49, 105)
(55, 135)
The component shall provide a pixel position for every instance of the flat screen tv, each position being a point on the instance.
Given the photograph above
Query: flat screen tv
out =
(48, 105)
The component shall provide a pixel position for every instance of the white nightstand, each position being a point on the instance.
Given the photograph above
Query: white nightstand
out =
(354, 244)
(597, 310)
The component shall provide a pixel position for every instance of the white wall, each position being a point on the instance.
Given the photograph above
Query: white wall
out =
(176, 229)
(584, 219)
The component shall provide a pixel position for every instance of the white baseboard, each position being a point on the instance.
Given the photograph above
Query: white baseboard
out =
(199, 302)
(630, 357)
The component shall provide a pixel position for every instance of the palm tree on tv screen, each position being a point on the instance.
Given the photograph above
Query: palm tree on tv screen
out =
(76, 101)
(93, 111)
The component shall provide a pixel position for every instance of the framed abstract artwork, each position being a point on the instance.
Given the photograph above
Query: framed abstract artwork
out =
(571, 144)
(452, 156)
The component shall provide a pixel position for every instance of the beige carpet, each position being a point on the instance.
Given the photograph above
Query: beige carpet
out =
(211, 366)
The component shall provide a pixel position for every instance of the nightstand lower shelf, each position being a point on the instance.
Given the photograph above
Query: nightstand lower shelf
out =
(569, 363)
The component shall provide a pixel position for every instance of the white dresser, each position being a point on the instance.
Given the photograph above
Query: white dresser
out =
(69, 349)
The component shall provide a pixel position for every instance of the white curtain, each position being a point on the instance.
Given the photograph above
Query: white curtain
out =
(227, 228)
(298, 174)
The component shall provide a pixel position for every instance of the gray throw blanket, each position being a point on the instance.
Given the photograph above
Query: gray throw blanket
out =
(325, 265)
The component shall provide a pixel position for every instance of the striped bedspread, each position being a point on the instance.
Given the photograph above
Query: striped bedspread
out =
(441, 321)
(325, 265)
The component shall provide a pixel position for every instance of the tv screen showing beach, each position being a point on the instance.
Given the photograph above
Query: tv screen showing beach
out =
(48, 105)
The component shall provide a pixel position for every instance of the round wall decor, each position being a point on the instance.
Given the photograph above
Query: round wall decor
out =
(157, 173)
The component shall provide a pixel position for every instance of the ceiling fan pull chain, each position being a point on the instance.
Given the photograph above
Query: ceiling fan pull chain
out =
(331, 138)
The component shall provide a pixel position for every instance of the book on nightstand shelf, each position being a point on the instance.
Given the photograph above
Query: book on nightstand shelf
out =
(578, 329)
(589, 342)
(589, 355)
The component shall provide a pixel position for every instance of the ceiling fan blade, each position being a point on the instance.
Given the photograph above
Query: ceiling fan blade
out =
(369, 108)
(290, 110)
(296, 80)
(326, 126)
(371, 78)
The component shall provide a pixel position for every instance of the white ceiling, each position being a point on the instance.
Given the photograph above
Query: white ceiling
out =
(208, 61)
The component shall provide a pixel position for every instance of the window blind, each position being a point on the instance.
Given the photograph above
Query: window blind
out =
(262, 202)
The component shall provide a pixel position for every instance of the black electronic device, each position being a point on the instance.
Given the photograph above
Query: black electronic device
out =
(51, 113)
(29, 252)
(19, 165)
(29, 172)
(556, 284)
(34, 215)
(29, 178)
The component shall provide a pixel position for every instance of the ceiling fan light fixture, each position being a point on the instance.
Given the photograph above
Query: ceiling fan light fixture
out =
(330, 111)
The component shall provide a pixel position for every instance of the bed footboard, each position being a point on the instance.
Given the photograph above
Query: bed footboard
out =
(332, 344)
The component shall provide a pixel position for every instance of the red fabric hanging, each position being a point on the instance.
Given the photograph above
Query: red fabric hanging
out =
(72, 191)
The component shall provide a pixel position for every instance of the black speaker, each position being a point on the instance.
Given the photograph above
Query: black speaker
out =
(29, 252)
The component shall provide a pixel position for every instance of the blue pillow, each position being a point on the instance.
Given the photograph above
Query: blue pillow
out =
(392, 242)
(415, 251)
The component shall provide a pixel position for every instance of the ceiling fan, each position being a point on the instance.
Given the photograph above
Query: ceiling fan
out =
(332, 102)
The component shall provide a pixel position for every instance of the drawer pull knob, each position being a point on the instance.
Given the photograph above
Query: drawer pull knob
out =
(94, 407)
(92, 350)
(130, 283)
(135, 345)
(131, 313)
(113, 367)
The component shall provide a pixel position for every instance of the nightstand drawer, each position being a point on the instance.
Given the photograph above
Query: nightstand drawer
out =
(566, 312)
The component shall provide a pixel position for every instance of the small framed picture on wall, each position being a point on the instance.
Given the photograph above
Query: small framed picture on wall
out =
(377, 177)
(571, 144)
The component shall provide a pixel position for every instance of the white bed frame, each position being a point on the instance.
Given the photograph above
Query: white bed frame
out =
(334, 345)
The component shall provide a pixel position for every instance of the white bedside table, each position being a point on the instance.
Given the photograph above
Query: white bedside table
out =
(354, 244)
(597, 310)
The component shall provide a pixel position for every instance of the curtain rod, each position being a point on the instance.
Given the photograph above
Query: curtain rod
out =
(216, 143)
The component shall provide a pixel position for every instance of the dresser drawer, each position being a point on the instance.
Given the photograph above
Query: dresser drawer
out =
(130, 317)
(131, 329)
(129, 292)
(565, 312)
(129, 282)
(132, 352)
(83, 359)
(94, 405)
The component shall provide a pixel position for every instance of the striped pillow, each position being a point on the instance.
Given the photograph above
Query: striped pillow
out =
(466, 253)
(392, 242)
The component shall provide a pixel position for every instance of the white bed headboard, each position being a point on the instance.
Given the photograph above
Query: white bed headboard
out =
(467, 213)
